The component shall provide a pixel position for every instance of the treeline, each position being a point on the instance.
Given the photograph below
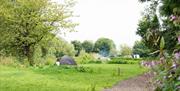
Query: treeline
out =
(102, 46)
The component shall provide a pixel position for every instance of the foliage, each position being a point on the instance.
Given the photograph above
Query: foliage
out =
(84, 58)
(63, 78)
(168, 72)
(171, 23)
(55, 48)
(103, 46)
(88, 46)
(113, 52)
(167, 78)
(60, 47)
(125, 50)
(149, 31)
(152, 26)
(9, 61)
(26, 24)
(77, 46)
(117, 60)
(141, 49)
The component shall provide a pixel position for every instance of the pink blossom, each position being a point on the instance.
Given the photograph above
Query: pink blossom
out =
(177, 55)
(172, 17)
(179, 38)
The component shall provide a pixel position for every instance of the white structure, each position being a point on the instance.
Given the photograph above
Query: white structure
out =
(57, 63)
(136, 56)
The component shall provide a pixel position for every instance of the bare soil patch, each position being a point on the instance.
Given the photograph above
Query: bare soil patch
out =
(139, 83)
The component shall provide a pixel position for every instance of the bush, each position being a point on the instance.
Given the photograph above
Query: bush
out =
(50, 60)
(85, 58)
(13, 62)
(167, 77)
(8, 61)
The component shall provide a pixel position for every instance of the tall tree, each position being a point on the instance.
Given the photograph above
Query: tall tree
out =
(125, 50)
(77, 46)
(167, 23)
(27, 23)
(141, 49)
(149, 26)
(103, 46)
(88, 46)
(60, 47)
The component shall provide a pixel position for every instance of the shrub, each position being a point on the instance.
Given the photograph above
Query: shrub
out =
(13, 62)
(85, 58)
(50, 60)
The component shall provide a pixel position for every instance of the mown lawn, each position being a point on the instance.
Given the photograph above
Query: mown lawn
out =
(89, 77)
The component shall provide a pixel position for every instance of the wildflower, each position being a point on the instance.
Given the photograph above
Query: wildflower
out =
(179, 38)
(177, 54)
(172, 17)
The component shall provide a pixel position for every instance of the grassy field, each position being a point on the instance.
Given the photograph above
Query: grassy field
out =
(88, 77)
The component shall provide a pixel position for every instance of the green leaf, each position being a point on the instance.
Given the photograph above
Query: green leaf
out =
(162, 43)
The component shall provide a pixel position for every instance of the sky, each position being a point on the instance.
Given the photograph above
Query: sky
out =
(114, 19)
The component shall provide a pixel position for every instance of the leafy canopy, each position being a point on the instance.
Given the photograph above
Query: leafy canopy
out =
(104, 46)
(26, 24)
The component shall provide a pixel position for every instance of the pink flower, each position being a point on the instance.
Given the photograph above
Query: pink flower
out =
(172, 17)
(177, 55)
(179, 38)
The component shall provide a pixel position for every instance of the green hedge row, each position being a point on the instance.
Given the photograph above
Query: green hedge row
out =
(124, 61)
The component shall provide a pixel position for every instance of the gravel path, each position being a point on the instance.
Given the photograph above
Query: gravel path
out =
(139, 83)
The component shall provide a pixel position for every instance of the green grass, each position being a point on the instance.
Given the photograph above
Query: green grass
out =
(88, 77)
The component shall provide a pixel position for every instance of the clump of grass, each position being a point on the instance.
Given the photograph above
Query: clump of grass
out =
(92, 87)
(84, 69)
(118, 71)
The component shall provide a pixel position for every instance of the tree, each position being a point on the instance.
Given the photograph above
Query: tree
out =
(171, 23)
(103, 46)
(149, 27)
(125, 50)
(26, 24)
(141, 49)
(77, 46)
(152, 26)
(88, 46)
(169, 11)
(60, 47)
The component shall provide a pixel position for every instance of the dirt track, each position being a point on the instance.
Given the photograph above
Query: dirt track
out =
(139, 83)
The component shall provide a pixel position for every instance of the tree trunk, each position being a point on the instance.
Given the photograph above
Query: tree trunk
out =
(30, 59)
(29, 50)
